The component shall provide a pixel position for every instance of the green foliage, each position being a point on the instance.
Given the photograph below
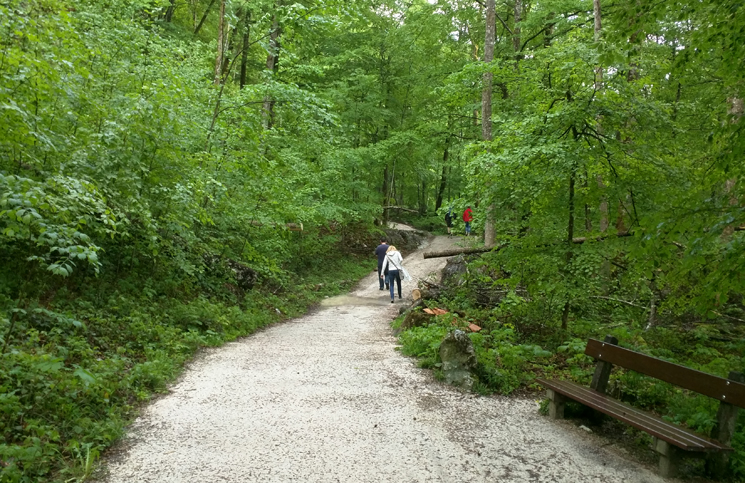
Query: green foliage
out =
(424, 343)
(510, 355)
(738, 443)
(145, 198)
(51, 218)
(502, 363)
(68, 388)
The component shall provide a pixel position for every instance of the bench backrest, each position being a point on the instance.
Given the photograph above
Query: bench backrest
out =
(713, 386)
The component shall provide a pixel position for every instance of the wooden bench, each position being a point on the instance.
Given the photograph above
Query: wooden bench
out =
(670, 440)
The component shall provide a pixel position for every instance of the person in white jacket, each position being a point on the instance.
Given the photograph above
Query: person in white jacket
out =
(393, 262)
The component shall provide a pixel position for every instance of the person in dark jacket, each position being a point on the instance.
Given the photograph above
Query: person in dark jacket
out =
(380, 252)
(449, 220)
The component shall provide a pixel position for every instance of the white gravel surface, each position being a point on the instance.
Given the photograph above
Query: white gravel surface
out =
(327, 398)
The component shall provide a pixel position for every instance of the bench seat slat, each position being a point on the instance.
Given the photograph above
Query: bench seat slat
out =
(671, 433)
(716, 387)
(612, 407)
(648, 422)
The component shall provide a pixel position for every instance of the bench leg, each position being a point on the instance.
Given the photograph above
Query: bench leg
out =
(556, 404)
(716, 464)
(669, 457)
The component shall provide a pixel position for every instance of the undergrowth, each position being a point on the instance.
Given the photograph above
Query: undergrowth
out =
(76, 371)
(518, 343)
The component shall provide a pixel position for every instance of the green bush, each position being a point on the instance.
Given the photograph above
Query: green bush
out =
(423, 343)
(512, 354)
(71, 378)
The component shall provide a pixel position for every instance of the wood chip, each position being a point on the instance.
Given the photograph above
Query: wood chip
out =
(474, 327)
(435, 311)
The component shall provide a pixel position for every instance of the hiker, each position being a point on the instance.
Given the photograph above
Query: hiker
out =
(393, 264)
(380, 252)
(449, 220)
(468, 218)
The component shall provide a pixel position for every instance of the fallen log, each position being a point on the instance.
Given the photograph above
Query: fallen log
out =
(470, 251)
(583, 239)
(406, 310)
(459, 251)
(400, 208)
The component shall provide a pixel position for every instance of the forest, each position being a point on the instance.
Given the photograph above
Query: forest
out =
(175, 174)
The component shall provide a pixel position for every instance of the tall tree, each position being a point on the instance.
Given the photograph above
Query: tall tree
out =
(272, 65)
(246, 34)
(221, 34)
(486, 108)
(204, 17)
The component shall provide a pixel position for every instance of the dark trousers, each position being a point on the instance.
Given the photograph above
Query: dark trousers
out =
(384, 279)
(393, 277)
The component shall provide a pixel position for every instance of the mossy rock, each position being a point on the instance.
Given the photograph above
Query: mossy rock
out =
(458, 359)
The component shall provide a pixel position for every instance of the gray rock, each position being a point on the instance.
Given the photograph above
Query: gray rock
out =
(452, 274)
(404, 240)
(458, 358)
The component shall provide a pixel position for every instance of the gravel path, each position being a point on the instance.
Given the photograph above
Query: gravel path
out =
(327, 398)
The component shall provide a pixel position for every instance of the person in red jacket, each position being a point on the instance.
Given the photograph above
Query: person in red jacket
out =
(468, 218)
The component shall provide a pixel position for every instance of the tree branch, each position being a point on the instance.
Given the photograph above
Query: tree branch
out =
(504, 24)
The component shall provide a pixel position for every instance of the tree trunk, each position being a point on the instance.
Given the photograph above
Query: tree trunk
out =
(490, 226)
(548, 33)
(486, 99)
(620, 218)
(736, 110)
(443, 180)
(598, 86)
(486, 93)
(272, 65)
(220, 42)
(588, 220)
(402, 181)
(456, 251)
(652, 320)
(634, 39)
(423, 199)
(516, 39)
(598, 26)
(169, 12)
(603, 207)
(204, 17)
(228, 55)
(570, 239)
(385, 196)
(194, 4)
(394, 188)
(244, 52)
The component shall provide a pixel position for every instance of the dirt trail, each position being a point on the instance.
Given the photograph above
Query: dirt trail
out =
(327, 398)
